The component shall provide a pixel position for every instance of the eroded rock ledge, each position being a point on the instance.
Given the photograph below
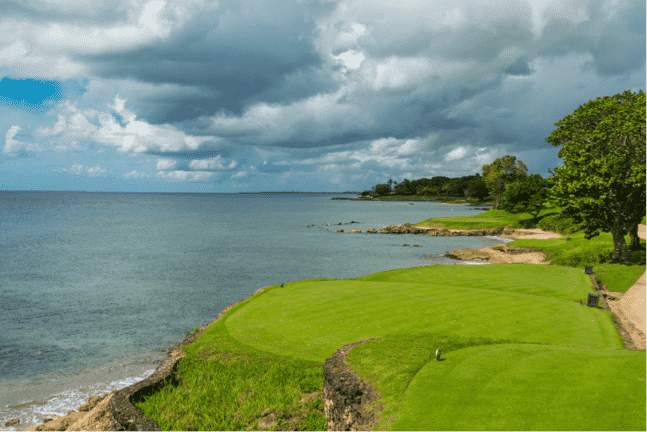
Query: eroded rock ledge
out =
(410, 229)
(347, 397)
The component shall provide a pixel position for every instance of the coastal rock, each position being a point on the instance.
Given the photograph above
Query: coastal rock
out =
(404, 229)
(61, 423)
(340, 230)
(371, 230)
(389, 229)
(354, 231)
(12, 422)
(516, 250)
(347, 397)
(97, 418)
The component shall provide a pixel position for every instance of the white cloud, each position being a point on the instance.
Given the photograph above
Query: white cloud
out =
(12, 53)
(94, 40)
(351, 59)
(410, 146)
(136, 136)
(76, 169)
(456, 154)
(136, 174)
(239, 175)
(166, 164)
(216, 163)
(95, 171)
(13, 146)
(193, 176)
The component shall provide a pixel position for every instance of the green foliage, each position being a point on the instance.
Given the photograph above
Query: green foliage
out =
(603, 177)
(560, 224)
(193, 331)
(478, 189)
(405, 188)
(382, 189)
(526, 196)
(501, 173)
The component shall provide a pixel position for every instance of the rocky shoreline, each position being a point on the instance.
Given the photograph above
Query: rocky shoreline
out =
(347, 397)
(436, 232)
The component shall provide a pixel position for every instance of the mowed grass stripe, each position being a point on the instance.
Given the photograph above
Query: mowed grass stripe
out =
(526, 387)
(314, 320)
(542, 280)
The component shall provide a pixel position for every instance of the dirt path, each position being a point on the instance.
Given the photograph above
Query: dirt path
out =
(631, 306)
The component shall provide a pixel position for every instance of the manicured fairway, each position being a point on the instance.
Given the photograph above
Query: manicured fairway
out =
(310, 320)
(526, 387)
(519, 352)
(548, 281)
(513, 302)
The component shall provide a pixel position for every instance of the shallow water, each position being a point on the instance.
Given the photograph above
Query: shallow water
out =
(95, 287)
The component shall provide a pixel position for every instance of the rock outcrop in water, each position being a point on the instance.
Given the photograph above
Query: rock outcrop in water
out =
(410, 229)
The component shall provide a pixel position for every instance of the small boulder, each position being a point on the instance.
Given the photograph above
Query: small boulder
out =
(340, 230)
(354, 231)
(371, 230)
(91, 403)
(12, 422)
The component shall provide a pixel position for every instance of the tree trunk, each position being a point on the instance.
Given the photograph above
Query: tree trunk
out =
(497, 201)
(619, 244)
(635, 240)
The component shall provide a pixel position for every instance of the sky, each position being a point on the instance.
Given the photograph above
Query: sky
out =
(314, 96)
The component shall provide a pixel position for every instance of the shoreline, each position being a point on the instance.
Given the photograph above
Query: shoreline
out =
(113, 410)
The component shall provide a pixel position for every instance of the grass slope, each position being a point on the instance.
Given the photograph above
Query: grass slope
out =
(519, 351)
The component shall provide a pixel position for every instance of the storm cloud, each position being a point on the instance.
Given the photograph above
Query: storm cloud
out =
(230, 96)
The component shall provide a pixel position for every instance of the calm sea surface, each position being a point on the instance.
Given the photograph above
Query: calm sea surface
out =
(95, 287)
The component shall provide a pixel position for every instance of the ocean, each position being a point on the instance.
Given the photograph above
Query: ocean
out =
(95, 287)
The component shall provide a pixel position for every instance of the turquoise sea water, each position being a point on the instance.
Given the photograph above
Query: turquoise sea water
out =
(95, 287)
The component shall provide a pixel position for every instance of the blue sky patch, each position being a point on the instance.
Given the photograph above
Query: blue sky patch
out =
(30, 92)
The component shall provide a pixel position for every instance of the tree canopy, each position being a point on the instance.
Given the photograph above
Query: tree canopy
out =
(603, 177)
(528, 196)
(478, 189)
(501, 173)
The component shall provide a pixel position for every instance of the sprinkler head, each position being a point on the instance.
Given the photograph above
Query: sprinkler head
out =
(438, 354)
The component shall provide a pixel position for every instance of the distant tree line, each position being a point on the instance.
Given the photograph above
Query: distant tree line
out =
(467, 186)
(601, 185)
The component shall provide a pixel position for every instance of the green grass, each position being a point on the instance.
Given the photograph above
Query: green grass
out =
(519, 351)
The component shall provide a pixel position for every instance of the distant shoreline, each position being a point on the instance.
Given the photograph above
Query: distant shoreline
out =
(407, 199)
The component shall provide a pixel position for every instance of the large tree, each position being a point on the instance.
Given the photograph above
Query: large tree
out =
(603, 177)
(501, 173)
(381, 190)
(478, 189)
(528, 196)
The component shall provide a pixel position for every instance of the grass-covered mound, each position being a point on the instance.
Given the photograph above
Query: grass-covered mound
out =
(519, 352)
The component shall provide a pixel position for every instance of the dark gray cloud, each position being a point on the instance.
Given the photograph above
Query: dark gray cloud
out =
(246, 93)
